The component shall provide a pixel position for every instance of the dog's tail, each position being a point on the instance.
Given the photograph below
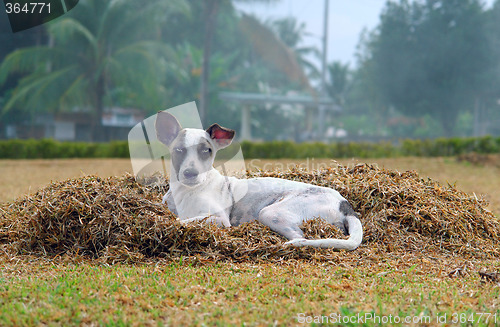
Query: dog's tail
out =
(354, 228)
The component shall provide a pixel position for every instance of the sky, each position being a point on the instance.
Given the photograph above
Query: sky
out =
(347, 18)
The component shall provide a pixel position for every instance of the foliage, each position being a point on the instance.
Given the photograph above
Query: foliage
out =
(430, 57)
(429, 69)
(420, 148)
(274, 51)
(48, 148)
(101, 46)
(292, 34)
(234, 66)
(339, 81)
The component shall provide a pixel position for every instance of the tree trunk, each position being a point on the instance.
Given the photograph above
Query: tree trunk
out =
(210, 14)
(97, 132)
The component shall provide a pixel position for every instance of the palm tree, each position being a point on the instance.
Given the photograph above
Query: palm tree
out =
(274, 51)
(104, 45)
(292, 34)
(211, 7)
(339, 79)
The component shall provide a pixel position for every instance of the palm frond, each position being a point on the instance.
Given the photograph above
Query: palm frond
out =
(138, 60)
(68, 29)
(76, 93)
(125, 18)
(28, 60)
(273, 50)
(40, 91)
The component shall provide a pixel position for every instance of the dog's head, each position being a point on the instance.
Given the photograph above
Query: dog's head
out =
(192, 150)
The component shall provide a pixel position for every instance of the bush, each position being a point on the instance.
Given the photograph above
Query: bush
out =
(418, 148)
(48, 148)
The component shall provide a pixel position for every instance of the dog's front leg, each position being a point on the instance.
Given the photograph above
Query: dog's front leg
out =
(168, 198)
(218, 220)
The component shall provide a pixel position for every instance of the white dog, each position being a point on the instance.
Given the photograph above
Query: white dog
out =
(198, 190)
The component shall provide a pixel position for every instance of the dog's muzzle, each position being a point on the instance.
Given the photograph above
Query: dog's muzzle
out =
(190, 176)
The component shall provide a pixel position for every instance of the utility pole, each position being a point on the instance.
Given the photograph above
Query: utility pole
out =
(323, 93)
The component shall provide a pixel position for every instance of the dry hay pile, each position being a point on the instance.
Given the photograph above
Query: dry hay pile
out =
(116, 220)
(401, 211)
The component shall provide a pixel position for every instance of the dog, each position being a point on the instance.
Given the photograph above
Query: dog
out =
(198, 190)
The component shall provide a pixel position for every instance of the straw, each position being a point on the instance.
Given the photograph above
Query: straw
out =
(117, 219)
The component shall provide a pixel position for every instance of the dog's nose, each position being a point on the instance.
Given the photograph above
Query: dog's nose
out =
(190, 173)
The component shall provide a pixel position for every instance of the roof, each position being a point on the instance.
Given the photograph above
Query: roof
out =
(260, 98)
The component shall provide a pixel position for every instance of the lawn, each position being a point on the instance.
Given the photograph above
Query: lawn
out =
(369, 286)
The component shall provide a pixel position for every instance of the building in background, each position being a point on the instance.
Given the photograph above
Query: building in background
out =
(76, 126)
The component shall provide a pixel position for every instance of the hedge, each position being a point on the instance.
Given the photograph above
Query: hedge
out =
(48, 148)
(420, 148)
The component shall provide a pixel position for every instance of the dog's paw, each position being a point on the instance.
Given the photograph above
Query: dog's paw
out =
(297, 242)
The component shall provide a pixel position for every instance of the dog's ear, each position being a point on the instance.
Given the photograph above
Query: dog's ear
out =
(220, 135)
(167, 127)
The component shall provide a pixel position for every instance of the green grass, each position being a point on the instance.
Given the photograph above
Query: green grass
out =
(224, 294)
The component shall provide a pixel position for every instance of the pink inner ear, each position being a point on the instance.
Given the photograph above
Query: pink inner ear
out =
(220, 134)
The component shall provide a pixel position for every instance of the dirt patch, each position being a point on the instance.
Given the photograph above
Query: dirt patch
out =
(479, 159)
(117, 220)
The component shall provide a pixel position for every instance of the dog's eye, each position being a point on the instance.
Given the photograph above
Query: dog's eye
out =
(180, 150)
(206, 150)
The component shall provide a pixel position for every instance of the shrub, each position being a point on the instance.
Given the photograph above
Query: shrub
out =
(49, 148)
